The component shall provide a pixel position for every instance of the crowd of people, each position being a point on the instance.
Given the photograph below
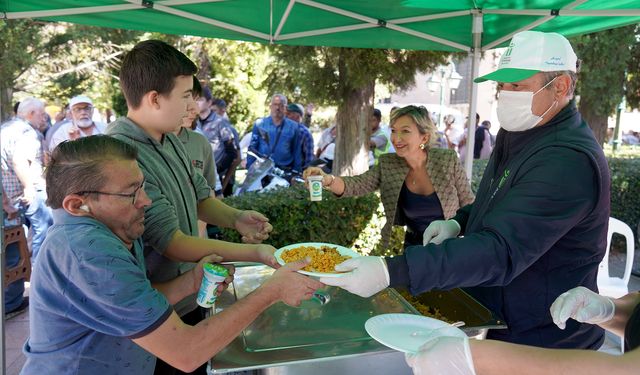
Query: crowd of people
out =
(116, 216)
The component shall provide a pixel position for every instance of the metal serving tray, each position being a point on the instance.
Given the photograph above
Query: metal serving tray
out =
(456, 305)
(326, 333)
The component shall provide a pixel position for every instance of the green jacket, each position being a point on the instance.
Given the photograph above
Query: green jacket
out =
(174, 187)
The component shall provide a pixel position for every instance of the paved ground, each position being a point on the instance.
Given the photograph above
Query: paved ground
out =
(16, 331)
(17, 328)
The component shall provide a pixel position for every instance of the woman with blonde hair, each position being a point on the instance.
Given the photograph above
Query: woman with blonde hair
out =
(418, 184)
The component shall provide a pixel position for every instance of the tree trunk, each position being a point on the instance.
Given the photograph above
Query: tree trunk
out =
(6, 106)
(203, 62)
(352, 141)
(598, 123)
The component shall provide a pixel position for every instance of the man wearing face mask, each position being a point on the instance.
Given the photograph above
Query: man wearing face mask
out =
(538, 225)
(81, 124)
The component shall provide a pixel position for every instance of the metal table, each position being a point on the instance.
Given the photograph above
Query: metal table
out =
(325, 334)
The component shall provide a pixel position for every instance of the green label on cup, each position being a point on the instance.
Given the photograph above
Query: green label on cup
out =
(315, 188)
(215, 269)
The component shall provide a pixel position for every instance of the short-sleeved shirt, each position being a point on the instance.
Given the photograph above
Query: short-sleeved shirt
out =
(201, 155)
(19, 140)
(89, 298)
(175, 189)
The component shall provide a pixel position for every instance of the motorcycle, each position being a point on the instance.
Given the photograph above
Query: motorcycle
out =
(263, 175)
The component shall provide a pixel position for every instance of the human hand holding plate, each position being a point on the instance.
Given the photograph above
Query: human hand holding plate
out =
(408, 332)
(446, 351)
(346, 253)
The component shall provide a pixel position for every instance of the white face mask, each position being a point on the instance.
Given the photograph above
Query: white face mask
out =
(514, 110)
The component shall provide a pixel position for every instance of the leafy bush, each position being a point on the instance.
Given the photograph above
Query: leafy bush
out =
(296, 219)
(357, 222)
(476, 173)
(625, 190)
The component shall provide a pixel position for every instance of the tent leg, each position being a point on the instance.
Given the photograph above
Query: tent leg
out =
(3, 348)
(475, 63)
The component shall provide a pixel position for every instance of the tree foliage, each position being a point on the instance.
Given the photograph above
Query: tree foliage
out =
(234, 72)
(633, 73)
(20, 46)
(56, 61)
(605, 56)
(346, 77)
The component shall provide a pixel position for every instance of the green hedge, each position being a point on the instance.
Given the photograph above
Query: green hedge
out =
(357, 222)
(625, 190)
(296, 219)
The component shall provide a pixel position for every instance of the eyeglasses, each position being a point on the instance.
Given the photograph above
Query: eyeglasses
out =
(87, 108)
(134, 196)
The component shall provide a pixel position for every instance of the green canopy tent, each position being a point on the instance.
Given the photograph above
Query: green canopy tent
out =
(452, 25)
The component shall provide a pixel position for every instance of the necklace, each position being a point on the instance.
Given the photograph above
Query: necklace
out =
(413, 176)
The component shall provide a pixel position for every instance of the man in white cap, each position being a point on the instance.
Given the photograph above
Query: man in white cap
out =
(81, 124)
(538, 226)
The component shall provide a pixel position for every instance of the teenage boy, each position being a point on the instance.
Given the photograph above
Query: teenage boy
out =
(157, 82)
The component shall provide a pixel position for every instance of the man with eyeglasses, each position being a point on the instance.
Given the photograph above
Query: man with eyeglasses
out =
(276, 137)
(93, 308)
(81, 124)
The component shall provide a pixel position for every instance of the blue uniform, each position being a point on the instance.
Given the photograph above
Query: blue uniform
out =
(89, 298)
(281, 143)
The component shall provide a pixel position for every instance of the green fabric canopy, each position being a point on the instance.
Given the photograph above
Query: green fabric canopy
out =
(445, 25)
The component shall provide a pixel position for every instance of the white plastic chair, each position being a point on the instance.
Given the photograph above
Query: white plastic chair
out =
(612, 286)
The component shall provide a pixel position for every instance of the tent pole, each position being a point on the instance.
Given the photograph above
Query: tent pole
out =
(3, 348)
(475, 63)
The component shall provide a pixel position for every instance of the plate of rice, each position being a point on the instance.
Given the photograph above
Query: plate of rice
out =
(324, 257)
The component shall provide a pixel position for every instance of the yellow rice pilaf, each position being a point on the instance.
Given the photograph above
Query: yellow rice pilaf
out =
(323, 259)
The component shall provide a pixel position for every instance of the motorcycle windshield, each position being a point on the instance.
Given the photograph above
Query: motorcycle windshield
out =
(258, 170)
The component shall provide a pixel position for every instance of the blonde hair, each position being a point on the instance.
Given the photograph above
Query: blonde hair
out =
(422, 119)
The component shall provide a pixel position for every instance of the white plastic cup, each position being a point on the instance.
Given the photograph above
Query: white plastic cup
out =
(315, 188)
(214, 274)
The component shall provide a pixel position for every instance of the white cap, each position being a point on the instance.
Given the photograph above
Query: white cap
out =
(531, 52)
(79, 99)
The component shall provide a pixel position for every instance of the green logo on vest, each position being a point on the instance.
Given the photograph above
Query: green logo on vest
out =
(503, 178)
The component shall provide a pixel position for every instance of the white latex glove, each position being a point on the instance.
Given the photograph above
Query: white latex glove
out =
(440, 230)
(582, 305)
(369, 276)
(443, 355)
